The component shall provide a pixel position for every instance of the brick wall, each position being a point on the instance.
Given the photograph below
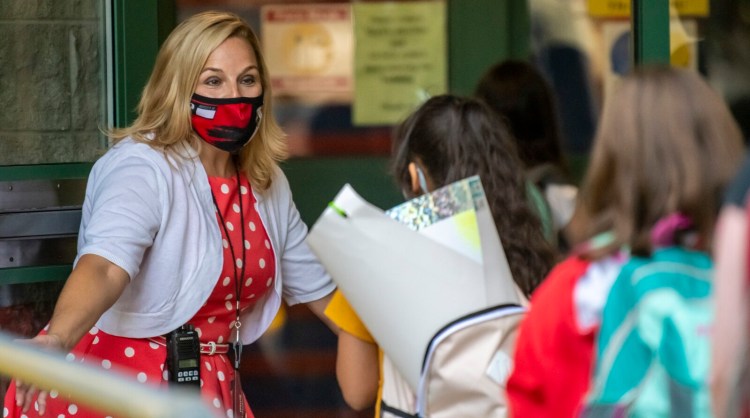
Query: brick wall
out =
(51, 81)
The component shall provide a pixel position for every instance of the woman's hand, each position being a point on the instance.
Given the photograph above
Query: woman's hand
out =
(25, 392)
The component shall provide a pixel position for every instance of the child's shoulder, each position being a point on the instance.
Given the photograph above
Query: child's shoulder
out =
(562, 277)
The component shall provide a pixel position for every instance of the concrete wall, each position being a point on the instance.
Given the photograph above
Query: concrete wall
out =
(51, 81)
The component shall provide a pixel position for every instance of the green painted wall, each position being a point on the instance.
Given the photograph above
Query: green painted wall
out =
(315, 182)
(481, 33)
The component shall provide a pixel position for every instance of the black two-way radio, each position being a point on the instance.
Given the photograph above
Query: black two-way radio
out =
(183, 356)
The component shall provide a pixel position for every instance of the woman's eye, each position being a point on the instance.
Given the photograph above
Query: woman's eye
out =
(248, 80)
(212, 81)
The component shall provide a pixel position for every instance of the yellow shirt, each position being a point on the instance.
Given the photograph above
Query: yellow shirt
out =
(342, 314)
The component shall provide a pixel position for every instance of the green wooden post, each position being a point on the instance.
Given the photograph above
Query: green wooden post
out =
(650, 25)
(481, 33)
(138, 28)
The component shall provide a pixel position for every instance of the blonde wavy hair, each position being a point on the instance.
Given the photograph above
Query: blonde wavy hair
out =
(164, 120)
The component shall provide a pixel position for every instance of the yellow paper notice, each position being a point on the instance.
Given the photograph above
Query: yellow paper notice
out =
(400, 58)
(621, 8)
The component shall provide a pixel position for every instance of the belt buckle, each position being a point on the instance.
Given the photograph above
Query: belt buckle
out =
(212, 346)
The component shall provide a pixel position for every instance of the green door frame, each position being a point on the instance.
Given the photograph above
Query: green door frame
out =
(139, 27)
(649, 20)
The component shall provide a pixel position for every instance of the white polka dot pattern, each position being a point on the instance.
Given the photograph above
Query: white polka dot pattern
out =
(213, 322)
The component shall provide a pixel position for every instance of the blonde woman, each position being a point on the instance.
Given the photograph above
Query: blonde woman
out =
(187, 220)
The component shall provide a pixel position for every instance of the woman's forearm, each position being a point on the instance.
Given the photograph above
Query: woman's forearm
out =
(93, 287)
(357, 371)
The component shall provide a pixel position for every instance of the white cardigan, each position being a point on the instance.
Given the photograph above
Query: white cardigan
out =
(153, 216)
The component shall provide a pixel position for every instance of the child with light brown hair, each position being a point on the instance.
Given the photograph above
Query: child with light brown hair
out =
(665, 149)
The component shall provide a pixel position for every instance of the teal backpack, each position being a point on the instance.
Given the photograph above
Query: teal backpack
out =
(652, 353)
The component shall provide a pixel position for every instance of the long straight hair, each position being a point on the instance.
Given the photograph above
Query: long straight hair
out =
(666, 143)
(164, 119)
(455, 138)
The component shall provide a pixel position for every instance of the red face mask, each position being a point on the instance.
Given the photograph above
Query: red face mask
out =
(227, 124)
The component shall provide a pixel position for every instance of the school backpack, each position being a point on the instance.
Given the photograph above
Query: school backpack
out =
(652, 354)
(464, 370)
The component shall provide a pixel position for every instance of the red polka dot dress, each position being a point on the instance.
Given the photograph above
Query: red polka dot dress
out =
(144, 359)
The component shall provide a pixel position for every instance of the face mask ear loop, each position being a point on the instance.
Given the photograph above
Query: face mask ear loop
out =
(422, 180)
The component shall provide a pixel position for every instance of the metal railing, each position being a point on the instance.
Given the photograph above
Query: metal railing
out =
(94, 387)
